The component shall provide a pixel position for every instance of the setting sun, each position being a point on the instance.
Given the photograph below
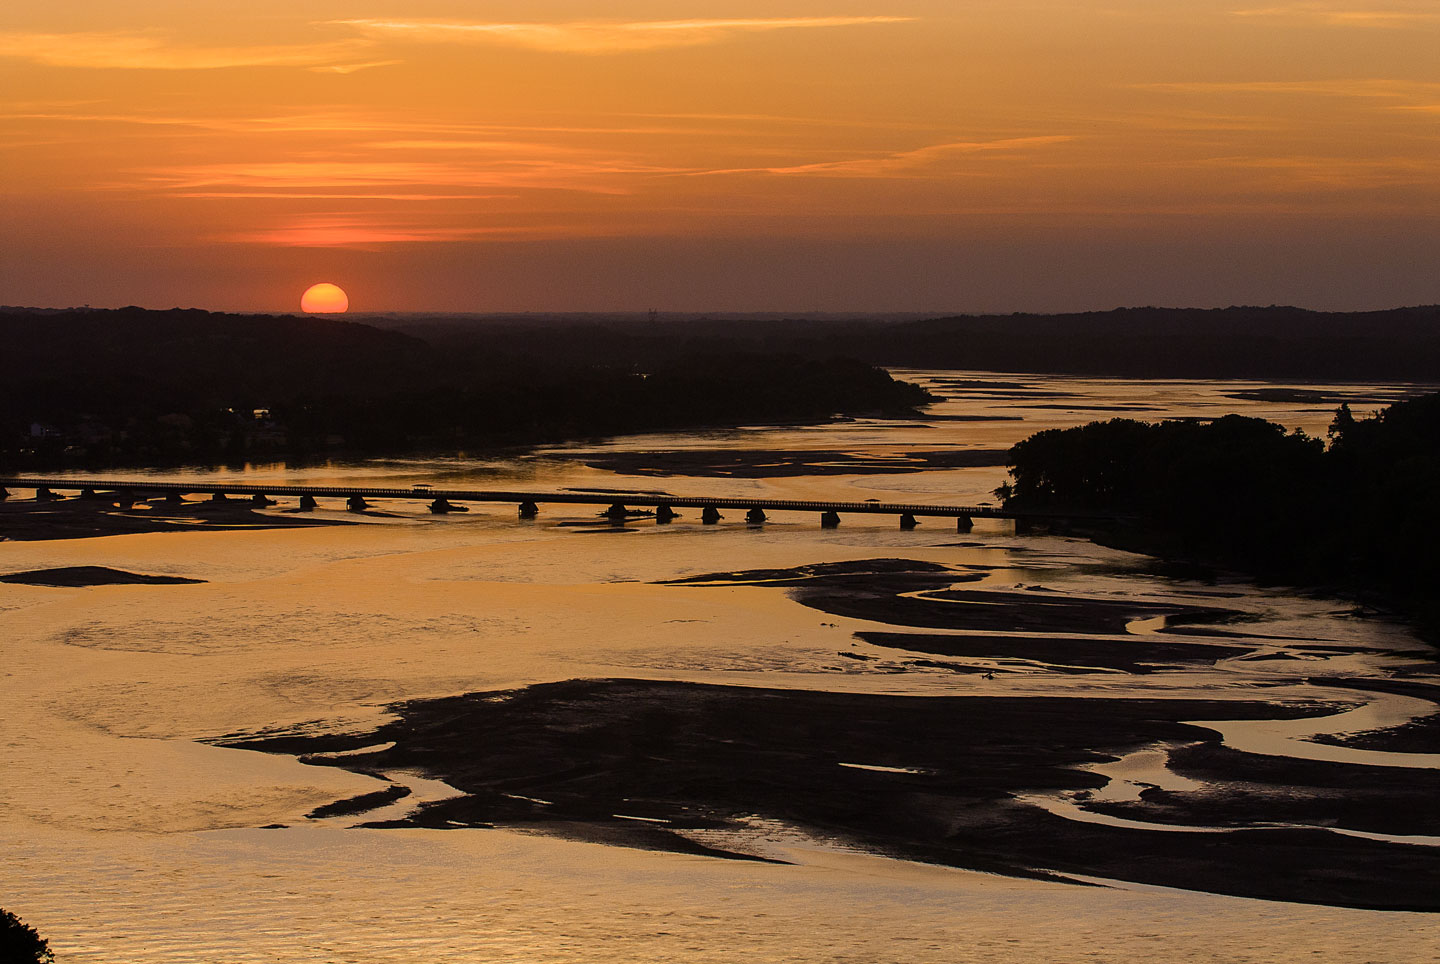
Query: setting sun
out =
(324, 299)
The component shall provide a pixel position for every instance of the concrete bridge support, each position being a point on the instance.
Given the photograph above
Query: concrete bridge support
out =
(174, 498)
(259, 500)
(829, 519)
(755, 516)
(442, 506)
(125, 498)
(4, 493)
(664, 515)
(617, 514)
(43, 494)
(963, 523)
(307, 503)
(710, 515)
(908, 521)
(529, 510)
(88, 495)
(219, 497)
(356, 504)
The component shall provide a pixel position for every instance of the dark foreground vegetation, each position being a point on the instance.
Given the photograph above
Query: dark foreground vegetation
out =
(154, 387)
(19, 942)
(1360, 515)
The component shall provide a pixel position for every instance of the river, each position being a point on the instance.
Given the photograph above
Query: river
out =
(129, 835)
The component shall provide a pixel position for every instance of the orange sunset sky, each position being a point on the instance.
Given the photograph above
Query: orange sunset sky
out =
(916, 155)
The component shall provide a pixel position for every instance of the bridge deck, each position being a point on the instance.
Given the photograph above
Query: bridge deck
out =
(220, 486)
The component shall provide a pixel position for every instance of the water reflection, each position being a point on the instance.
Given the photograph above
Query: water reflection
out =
(123, 835)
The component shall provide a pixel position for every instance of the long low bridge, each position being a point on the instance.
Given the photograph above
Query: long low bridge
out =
(618, 503)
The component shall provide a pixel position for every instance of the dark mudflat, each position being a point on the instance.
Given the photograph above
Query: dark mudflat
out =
(363, 803)
(783, 463)
(25, 520)
(586, 758)
(884, 590)
(91, 576)
(1135, 654)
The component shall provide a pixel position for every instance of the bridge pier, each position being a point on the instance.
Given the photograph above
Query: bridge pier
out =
(710, 515)
(963, 523)
(219, 497)
(356, 504)
(529, 510)
(4, 493)
(908, 521)
(829, 519)
(43, 494)
(88, 494)
(124, 498)
(307, 503)
(442, 506)
(174, 498)
(260, 500)
(617, 514)
(755, 516)
(664, 515)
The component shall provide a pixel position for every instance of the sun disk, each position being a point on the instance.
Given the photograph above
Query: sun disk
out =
(324, 298)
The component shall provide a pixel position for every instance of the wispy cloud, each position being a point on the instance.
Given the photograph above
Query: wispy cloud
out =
(340, 122)
(902, 163)
(1301, 173)
(144, 51)
(1348, 14)
(521, 170)
(599, 37)
(1363, 87)
(328, 231)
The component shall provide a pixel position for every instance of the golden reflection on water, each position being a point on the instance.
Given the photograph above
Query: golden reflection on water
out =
(126, 840)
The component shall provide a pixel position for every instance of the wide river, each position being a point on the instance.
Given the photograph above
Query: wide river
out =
(126, 838)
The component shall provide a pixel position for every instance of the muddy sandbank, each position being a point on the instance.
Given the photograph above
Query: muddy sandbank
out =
(80, 576)
(28, 520)
(923, 595)
(784, 463)
(937, 779)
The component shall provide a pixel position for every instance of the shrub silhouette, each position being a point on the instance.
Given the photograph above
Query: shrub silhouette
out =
(20, 944)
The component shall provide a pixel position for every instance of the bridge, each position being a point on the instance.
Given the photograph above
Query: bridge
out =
(618, 503)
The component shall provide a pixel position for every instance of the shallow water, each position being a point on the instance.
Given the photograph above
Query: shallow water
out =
(124, 839)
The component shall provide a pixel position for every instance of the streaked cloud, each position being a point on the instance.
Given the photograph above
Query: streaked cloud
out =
(1361, 87)
(903, 163)
(521, 170)
(1347, 15)
(599, 37)
(361, 230)
(148, 51)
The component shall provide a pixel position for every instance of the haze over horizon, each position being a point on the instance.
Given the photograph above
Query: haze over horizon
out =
(568, 156)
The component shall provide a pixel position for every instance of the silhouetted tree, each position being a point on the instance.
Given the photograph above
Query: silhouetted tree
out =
(20, 944)
(1363, 515)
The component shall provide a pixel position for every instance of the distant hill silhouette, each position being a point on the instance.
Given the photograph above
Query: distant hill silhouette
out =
(1238, 342)
(132, 386)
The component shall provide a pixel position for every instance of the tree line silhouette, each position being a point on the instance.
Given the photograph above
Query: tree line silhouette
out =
(132, 386)
(1360, 514)
(1277, 342)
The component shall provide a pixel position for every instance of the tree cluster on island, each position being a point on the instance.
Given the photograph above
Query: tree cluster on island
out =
(1359, 515)
(137, 387)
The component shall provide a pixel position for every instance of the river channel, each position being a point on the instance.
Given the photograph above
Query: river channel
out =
(144, 817)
